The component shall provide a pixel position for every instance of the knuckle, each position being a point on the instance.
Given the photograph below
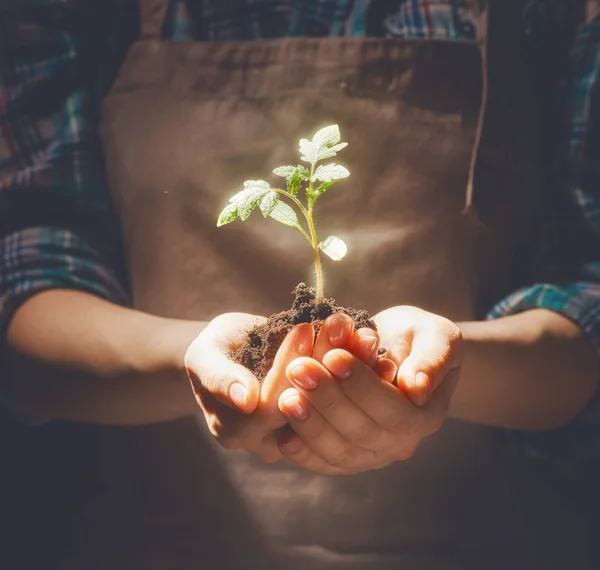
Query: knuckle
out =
(404, 452)
(363, 435)
(313, 430)
(344, 459)
(330, 405)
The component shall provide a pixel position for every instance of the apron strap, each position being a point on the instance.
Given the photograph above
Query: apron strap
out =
(152, 18)
(480, 10)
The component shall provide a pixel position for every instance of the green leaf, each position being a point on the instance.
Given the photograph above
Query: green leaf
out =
(294, 181)
(323, 188)
(285, 214)
(331, 152)
(294, 176)
(268, 203)
(307, 151)
(246, 200)
(257, 184)
(228, 215)
(251, 188)
(284, 171)
(324, 144)
(330, 172)
(334, 247)
(327, 136)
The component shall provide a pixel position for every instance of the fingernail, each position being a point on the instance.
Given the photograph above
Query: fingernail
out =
(422, 381)
(338, 366)
(291, 445)
(305, 341)
(302, 377)
(338, 327)
(238, 395)
(368, 340)
(389, 372)
(295, 407)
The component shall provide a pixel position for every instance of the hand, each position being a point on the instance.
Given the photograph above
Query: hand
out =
(346, 416)
(240, 414)
(427, 349)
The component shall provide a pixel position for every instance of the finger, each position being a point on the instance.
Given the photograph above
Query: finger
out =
(386, 369)
(324, 394)
(213, 374)
(319, 435)
(296, 451)
(387, 406)
(298, 342)
(269, 451)
(399, 347)
(335, 332)
(434, 352)
(364, 344)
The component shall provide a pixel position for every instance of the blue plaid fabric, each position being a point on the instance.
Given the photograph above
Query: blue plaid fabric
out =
(58, 56)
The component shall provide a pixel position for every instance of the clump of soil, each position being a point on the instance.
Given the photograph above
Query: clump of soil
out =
(258, 351)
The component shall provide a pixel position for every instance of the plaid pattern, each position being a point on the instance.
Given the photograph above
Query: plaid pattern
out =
(57, 57)
(432, 19)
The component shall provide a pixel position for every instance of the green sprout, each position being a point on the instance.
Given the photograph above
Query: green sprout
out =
(324, 144)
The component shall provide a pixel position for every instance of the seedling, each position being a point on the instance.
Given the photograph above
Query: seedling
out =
(324, 144)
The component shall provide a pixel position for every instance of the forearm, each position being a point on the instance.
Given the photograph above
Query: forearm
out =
(532, 370)
(77, 357)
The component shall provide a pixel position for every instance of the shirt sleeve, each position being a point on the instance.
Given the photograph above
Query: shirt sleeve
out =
(573, 290)
(57, 225)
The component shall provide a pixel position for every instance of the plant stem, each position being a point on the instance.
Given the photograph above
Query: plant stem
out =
(317, 256)
(315, 241)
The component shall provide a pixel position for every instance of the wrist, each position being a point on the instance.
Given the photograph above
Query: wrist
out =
(168, 343)
(531, 370)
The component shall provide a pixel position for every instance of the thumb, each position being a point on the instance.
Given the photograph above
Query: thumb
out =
(214, 375)
(298, 342)
(432, 356)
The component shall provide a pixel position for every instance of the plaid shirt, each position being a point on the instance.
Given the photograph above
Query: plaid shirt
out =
(57, 56)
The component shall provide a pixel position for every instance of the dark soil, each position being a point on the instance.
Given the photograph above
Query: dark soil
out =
(261, 344)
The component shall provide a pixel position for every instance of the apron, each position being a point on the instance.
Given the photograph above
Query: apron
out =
(429, 123)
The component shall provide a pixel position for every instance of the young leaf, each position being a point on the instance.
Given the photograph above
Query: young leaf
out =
(294, 176)
(249, 198)
(285, 214)
(334, 247)
(257, 184)
(251, 188)
(294, 181)
(324, 144)
(268, 203)
(228, 215)
(284, 171)
(329, 172)
(307, 151)
(323, 188)
(327, 136)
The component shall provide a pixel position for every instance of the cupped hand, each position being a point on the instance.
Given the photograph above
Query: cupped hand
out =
(239, 414)
(427, 349)
(346, 415)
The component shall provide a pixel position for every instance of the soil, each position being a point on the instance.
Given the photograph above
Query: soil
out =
(258, 351)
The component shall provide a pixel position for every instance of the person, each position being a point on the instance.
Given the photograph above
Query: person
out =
(185, 120)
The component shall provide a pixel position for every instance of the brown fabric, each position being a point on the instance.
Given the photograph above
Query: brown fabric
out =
(185, 125)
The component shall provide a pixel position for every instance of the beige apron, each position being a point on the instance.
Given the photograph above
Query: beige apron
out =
(184, 125)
